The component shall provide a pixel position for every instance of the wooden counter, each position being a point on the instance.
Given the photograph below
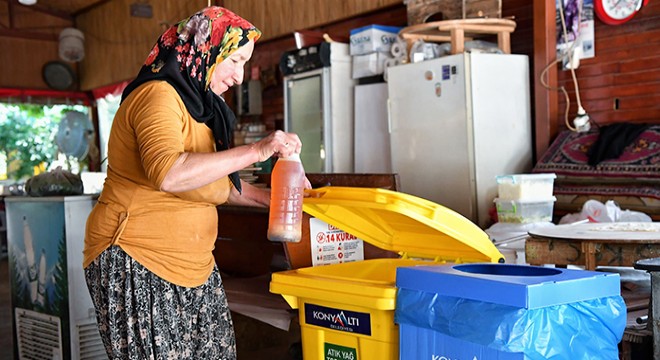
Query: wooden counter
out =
(593, 244)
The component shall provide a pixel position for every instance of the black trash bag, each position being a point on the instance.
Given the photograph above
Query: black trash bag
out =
(56, 182)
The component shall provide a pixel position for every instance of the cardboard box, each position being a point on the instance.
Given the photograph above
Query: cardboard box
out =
(369, 64)
(373, 38)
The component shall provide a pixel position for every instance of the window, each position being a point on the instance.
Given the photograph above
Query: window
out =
(107, 107)
(27, 140)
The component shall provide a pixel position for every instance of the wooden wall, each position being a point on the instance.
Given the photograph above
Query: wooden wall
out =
(280, 17)
(22, 59)
(625, 70)
(117, 44)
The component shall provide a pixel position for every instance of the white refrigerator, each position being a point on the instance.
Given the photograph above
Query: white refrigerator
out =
(456, 123)
(318, 105)
(372, 139)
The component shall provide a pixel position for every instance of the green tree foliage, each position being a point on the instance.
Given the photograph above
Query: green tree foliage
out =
(27, 139)
(27, 136)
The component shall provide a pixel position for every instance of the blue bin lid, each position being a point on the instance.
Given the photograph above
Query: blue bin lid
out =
(521, 286)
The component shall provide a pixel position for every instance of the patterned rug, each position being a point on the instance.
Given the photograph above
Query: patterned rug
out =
(635, 173)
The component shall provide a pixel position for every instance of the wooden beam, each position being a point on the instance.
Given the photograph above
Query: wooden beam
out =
(43, 9)
(545, 100)
(30, 35)
(90, 7)
(10, 7)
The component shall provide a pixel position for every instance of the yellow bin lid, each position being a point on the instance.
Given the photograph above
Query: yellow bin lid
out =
(395, 221)
(416, 228)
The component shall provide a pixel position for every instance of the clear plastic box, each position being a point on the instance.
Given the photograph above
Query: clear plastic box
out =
(524, 211)
(525, 186)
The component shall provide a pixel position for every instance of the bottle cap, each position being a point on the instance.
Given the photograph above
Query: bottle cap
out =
(294, 156)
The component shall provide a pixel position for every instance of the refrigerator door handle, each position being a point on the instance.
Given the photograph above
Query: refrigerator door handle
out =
(389, 116)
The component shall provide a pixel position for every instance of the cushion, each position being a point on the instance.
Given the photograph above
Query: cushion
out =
(632, 180)
(567, 157)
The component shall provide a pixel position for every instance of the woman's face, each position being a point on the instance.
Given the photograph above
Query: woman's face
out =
(230, 71)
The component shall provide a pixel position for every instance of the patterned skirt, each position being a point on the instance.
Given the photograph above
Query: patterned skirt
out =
(141, 316)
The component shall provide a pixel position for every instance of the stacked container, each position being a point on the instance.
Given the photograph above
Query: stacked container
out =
(525, 198)
(370, 48)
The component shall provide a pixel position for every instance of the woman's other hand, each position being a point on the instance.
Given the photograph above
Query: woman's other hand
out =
(278, 143)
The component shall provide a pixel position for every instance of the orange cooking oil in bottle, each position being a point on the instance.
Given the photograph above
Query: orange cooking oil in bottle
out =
(286, 198)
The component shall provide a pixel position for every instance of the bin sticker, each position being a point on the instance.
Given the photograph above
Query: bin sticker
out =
(338, 352)
(338, 319)
(331, 245)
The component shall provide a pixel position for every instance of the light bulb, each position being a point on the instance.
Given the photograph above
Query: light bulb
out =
(27, 2)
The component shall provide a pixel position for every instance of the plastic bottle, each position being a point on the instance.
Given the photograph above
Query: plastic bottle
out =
(286, 197)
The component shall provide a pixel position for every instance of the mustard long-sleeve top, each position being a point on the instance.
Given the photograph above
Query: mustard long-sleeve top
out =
(171, 234)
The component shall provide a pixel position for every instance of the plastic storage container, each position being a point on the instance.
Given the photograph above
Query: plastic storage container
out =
(525, 186)
(524, 211)
(504, 312)
(347, 310)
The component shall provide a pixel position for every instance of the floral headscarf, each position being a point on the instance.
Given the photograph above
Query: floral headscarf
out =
(187, 54)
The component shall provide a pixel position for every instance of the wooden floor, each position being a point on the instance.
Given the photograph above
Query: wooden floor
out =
(255, 340)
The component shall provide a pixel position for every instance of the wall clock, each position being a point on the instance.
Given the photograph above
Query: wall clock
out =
(617, 12)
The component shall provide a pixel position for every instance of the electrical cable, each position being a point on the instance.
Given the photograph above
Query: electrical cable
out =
(561, 88)
(568, 53)
(581, 113)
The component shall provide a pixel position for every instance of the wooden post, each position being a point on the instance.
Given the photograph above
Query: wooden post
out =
(457, 40)
(545, 101)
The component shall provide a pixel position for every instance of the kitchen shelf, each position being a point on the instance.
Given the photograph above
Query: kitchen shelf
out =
(459, 31)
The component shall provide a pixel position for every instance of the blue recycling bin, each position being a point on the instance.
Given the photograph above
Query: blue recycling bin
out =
(508, 312)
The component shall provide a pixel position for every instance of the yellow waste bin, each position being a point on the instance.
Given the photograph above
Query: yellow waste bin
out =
(346, 310)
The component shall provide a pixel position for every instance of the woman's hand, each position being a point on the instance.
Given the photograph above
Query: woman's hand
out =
(278, 143)
(251, 196)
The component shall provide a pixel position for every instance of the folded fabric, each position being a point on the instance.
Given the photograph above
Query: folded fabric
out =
(612, 140)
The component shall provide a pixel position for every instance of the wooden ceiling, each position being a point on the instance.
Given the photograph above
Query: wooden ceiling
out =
(43, 20)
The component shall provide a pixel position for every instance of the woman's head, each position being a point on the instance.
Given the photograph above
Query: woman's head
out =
(208, 50)
(229, 72)
(201, 57)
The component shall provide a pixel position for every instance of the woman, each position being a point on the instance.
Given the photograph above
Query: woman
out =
(148, 246)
